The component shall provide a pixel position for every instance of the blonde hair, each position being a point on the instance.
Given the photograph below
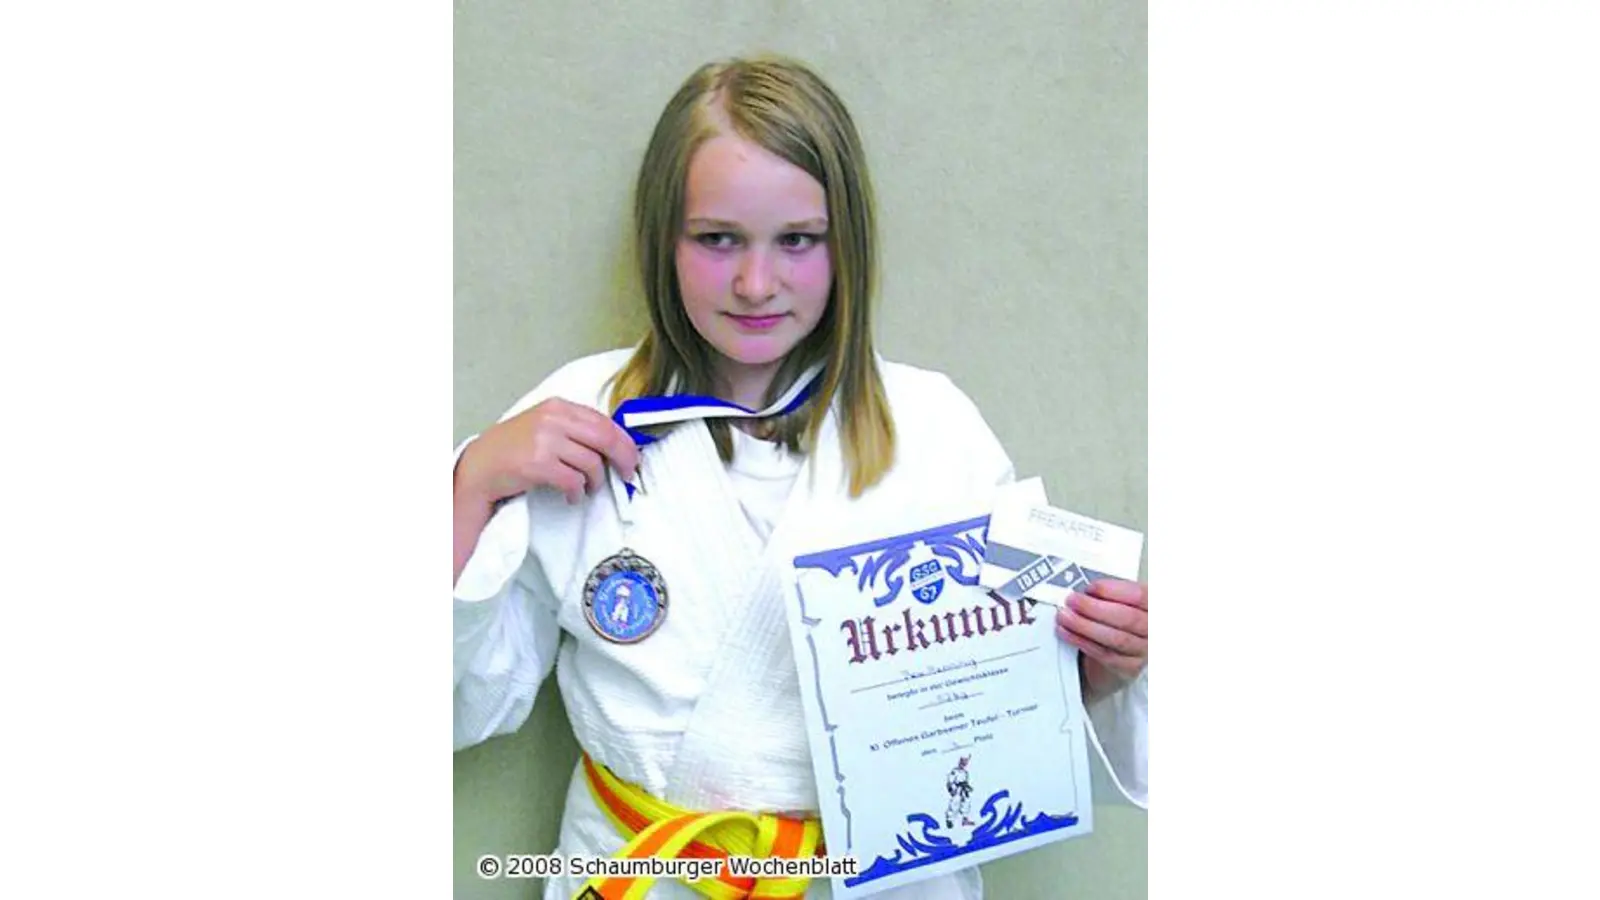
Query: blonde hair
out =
(786, 108)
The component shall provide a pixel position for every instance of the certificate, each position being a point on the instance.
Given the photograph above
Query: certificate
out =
(946, 726)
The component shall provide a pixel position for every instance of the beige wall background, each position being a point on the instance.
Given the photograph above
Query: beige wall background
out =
(1007, 143)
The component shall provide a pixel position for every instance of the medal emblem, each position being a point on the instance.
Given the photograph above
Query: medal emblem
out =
(625, 598)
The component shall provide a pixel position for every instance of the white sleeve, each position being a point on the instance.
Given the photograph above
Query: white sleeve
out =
(1120, 726)
(506, 627)
(506, 633)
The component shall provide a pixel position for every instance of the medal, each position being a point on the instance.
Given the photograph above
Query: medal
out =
(625, 598)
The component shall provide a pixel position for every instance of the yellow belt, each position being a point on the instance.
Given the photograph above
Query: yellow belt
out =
(661, 830)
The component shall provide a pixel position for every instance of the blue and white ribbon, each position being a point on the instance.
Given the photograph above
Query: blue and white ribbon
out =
(645, 411)
(642, 412)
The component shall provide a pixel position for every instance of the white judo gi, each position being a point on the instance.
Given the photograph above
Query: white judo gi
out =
(705, 713)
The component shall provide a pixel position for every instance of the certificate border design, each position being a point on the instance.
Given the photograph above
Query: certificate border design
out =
(925, 846)
(884, 558)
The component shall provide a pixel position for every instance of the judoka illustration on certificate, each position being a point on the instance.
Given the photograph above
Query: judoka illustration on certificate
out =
(797, 603)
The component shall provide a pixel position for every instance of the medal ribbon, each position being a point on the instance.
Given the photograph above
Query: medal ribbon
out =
(641, 412)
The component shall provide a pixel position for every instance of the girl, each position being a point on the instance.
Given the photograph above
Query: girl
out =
(648, 562)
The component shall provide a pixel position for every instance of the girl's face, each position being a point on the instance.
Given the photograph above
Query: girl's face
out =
(753, 265)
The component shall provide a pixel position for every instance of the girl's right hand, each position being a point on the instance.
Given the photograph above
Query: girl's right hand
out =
(556, 444)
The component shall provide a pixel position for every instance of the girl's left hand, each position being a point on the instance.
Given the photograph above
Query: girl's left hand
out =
(1110, 624)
